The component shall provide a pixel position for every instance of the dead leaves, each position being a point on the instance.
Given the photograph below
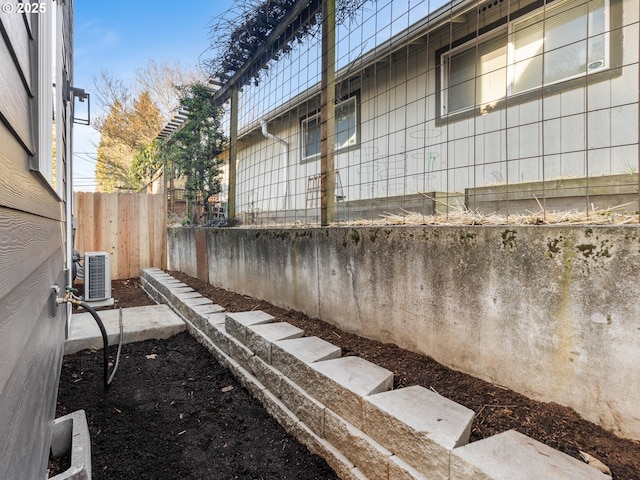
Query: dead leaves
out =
(595, 463)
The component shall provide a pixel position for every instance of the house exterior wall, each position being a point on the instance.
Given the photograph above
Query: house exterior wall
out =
(580, 128)
(32, 237)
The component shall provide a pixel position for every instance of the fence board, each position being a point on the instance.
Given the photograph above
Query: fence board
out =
(132, 227)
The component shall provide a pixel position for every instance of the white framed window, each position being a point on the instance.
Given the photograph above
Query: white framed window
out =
(555, 43)
(346, 129)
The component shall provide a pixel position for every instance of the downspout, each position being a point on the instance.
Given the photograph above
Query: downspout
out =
(285, 151)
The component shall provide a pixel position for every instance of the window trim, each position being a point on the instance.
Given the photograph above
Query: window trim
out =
(304, 121)
(612, 70)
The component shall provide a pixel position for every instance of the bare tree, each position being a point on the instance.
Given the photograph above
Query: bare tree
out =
(163, 81)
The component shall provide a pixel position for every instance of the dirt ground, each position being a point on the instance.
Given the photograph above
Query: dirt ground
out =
(171, 408)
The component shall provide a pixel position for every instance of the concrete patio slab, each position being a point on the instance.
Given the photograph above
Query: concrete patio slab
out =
(140, 323)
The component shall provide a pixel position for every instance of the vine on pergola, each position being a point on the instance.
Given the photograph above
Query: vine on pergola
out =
(243, 31)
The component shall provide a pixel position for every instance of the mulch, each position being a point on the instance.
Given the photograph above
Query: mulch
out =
(497, 409)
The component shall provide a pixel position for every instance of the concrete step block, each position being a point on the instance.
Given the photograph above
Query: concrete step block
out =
(371, 458)
(176, 286)
(240, 353)
(244, 376)
(401, 470)
(206, 309)
(419, 426)
(217, 318)
(304, 406)
(153, 271)
(195, 314)
(259, 338)
(195, 301)
(342, 383)
(237, 322)
(219, 336)
(168, 279)
(278, 410)
(341, 465)
(266, 374)
(187, 295)
(513, 455)
(206, 340)
(292, 357)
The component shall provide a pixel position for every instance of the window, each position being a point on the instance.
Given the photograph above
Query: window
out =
(346, 134)
(554, 44)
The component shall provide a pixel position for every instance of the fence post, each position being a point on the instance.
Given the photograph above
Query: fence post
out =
(327, 114)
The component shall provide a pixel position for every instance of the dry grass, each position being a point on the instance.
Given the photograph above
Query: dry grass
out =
(459, 215)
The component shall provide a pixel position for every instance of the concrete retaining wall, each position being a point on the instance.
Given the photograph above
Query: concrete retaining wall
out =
(550, 312)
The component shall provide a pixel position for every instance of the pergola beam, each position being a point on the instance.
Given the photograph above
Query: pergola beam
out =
(279, 36)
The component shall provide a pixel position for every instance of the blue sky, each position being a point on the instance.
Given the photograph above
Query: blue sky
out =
(119, 37)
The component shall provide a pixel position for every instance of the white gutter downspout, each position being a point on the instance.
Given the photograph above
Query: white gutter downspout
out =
(285, 151)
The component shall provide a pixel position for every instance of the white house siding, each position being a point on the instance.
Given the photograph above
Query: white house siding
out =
(32, 256)
(406, 148)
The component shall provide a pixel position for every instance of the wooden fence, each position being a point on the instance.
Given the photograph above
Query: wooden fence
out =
(131, 227)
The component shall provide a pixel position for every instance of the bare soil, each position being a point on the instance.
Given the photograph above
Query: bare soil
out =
(171, 409)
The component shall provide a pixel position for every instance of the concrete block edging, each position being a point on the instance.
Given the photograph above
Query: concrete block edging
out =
(362, 433)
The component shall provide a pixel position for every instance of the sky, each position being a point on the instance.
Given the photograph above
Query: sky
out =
(121, 36)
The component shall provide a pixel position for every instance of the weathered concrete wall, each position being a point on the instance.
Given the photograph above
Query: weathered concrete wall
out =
(550, 312)
(181, 250)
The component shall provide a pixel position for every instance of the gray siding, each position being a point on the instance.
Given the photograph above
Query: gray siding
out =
(32, 247)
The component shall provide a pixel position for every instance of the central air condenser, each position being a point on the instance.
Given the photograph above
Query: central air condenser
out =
(97, 278)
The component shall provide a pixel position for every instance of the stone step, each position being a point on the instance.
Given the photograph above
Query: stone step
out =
(237, 323)
(419, 425)
(195, 301)
(162, 289)
(188, 295)
(368, 455)
(342, 383)
(513, 455)
(292, 357)
(259, 338)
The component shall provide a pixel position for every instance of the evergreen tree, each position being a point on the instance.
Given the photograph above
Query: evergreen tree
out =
(193, 152)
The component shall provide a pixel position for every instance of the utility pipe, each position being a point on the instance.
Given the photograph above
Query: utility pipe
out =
(71, 299)
(285, 151)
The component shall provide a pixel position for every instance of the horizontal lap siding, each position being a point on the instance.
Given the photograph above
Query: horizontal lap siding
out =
(29, 242)
(29, 383)
(31, 261)
(18, 35)
(14, 101)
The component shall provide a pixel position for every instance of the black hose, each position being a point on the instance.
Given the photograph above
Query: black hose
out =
(105, 344)
(115, 365)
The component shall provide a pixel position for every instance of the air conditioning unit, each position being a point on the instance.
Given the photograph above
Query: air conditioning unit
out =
(97, 279)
